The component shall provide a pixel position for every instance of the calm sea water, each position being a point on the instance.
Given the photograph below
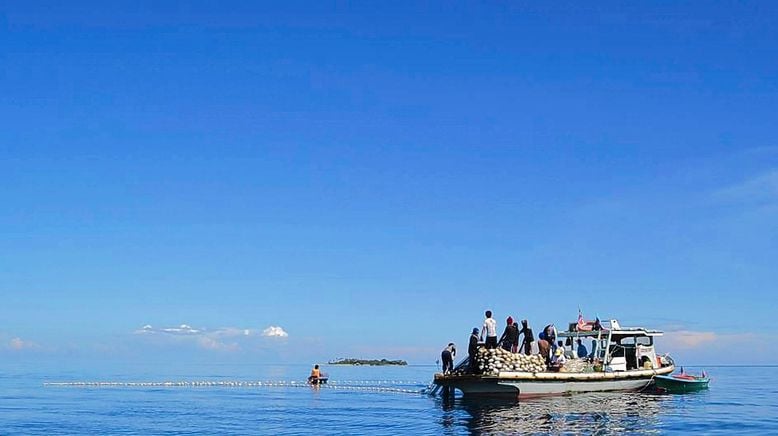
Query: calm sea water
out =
(361, 400)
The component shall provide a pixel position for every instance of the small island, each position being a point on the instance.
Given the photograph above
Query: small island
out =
(369, 362)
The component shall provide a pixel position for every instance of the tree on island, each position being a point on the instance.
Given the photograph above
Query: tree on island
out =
(369, 362)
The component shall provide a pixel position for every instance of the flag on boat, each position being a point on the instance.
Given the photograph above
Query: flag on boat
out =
(581, 321)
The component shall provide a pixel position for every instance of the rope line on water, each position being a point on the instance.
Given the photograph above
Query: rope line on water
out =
(351, 385)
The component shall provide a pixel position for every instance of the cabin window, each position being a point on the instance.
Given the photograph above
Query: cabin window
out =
(631, 341)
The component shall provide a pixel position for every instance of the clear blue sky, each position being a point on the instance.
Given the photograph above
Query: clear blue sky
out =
(371, 177)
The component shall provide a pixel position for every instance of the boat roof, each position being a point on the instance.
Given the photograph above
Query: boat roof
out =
(613, 327)
(624, 331)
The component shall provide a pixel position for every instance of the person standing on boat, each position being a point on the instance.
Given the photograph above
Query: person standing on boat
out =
(544, 349)
(582, 351)
(547, 342)
(490, 328)
(447, 356)
(529, 338)
(472, 349)
(510, 337)
(515, 337)
(549, 335)
(594, 349)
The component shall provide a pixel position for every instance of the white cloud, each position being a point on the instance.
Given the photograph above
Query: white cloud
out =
(233, 332)
(763, 150)
(221, 339)
(710, 347)
(18, 344)
(210, 343)
(183, 329)
(275, 332)
(762, 188)
(690, 339)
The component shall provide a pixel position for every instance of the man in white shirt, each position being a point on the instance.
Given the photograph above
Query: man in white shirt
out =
(490, 328)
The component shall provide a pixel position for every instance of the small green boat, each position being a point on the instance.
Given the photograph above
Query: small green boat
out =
(680, 383)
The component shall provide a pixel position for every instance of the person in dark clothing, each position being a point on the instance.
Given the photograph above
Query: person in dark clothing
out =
(510, 337)
(582, 352)
(529, 337)
(472, 349)
(447, 356)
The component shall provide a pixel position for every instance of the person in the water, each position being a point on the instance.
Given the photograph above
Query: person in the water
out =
(315, 375)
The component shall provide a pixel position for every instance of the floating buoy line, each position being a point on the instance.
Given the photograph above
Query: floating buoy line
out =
(351, 385)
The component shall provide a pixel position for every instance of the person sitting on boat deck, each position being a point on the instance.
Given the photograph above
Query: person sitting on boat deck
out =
(559, 359)
(315, 375)
(472, 349)
(490, 328)
(447, 356)
(582, 352)
(529, 338)
(567, 352)
(510, 337)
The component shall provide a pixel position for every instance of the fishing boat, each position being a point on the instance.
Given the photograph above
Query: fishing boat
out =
(622, 359)
(681, 383)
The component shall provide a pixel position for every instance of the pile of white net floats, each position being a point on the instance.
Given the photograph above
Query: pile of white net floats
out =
(492, 361)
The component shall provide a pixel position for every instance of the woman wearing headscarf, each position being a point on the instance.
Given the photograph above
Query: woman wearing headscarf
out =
(510, 337)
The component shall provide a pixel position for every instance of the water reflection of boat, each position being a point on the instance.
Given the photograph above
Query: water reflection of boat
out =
(590, 413)
(623, 359)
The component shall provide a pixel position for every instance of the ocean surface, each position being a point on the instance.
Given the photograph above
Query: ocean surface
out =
(272, 399)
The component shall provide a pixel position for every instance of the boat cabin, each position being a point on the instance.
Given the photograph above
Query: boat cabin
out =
(618, 348)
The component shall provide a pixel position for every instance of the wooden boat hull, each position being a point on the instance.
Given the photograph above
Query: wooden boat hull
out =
(529, 385)
(675, 385)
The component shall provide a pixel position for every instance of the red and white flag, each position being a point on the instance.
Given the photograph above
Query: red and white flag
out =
(581, 321)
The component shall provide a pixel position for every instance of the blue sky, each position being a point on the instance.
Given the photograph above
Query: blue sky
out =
(371, 178)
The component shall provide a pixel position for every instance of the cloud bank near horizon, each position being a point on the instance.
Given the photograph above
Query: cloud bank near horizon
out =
(219, 339)
(760, 188)
(19, 344)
